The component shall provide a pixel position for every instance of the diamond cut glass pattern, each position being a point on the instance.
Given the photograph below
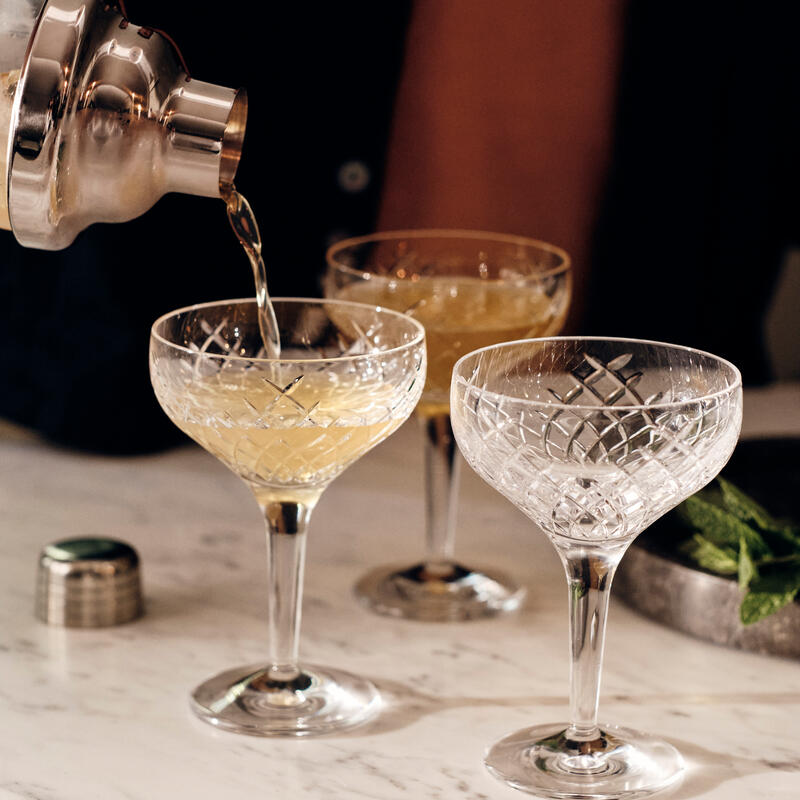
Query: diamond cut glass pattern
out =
(282, 423)
(586, 457)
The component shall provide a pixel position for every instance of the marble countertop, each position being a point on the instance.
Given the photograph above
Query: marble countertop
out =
(104, 714)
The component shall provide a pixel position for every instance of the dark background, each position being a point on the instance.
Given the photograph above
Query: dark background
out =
(74, 324)
(699, 207)
(701, 200)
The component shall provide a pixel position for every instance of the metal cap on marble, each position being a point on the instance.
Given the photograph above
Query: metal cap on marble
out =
(88, 583)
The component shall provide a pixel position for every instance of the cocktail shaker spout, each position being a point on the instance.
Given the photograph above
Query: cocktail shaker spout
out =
(105, 120)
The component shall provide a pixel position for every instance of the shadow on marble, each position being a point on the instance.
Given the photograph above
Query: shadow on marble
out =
(707, 769)
(403, 706)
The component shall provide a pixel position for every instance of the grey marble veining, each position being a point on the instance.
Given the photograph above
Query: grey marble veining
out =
(103, 714)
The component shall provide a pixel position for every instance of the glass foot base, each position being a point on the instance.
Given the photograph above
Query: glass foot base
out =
(317, 701)
(438, 593)
(621, 763)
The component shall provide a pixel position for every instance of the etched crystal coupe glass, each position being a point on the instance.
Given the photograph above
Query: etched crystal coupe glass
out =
(593, 439)
(347, 376)
(468, 289)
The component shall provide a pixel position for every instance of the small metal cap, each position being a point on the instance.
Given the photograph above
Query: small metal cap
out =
(88, 583)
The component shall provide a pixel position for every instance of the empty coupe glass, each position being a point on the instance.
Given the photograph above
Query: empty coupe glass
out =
(593, 439)
(348, 375)
(468, 289)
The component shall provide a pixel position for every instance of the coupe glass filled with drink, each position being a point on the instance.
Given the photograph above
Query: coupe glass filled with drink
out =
(468, 289)
(287, 396)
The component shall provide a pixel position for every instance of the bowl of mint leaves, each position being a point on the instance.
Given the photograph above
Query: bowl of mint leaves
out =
(725, 564)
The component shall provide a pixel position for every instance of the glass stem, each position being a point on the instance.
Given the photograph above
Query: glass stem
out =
(589, 575)
(442, 469)
(286, 549)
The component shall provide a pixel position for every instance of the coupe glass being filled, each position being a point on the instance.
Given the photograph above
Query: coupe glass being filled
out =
(347, 376)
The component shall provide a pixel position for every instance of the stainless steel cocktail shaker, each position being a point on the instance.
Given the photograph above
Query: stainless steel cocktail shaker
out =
(99, 118)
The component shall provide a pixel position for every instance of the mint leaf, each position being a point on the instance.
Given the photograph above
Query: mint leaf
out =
(781, 537)
(721, 527)
(791, 560)
(782, 542)
(757, 605)
(745, 508)
(770, 592)
(722, 560)
(747, 569)
(734, 535)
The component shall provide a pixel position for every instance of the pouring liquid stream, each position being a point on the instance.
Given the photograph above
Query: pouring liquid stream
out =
(245, 227)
